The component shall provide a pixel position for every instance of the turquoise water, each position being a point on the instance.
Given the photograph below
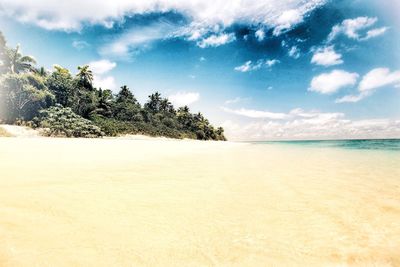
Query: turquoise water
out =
(371, 144)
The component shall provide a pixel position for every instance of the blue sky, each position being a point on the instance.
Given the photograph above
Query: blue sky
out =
(287, 69)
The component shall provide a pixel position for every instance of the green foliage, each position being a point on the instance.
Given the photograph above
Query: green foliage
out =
(22, 96)
(25, 90)
(113, 127)
(126, 107)
(85, 77)
(84, 102)
(63, 122)
(105, 103)
(61, 84)
(3, 51)
(18, 63)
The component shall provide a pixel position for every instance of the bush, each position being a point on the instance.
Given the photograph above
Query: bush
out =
(22, 96)
(63, 122)
(113, 127)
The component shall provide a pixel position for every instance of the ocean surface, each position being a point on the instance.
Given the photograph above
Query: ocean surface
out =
(370, 144)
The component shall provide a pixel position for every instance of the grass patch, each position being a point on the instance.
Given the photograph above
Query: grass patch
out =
(4, 133)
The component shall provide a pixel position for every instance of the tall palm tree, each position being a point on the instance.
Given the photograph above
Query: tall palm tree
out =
(183, 110)
(165, 105)
(18, 63)
(126, 95)
(42, 72)
(105, 99)
(85, 77)
(154, 103)
(3, 53)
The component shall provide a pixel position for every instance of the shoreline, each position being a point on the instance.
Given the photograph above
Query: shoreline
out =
(17, 131)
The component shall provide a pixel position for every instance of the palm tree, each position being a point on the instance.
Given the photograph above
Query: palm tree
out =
(3, 53)
(126, 95)
(183, 110)
(85, 77)
(42, 72)
(185, 118)
(154, 102)
(105, 102)
(18, 63)
(165, 105)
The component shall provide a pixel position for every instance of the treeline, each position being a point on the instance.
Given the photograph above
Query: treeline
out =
(69, 105)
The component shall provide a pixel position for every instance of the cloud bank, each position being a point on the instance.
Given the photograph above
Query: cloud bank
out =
(204, 16)
(302, 125)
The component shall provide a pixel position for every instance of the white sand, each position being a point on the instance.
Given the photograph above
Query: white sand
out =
(20, 131)
(116, 202)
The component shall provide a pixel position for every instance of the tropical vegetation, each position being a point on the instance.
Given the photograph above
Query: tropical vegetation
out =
(70, 105)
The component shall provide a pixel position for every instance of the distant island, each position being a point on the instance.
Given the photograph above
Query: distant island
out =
(64, 105)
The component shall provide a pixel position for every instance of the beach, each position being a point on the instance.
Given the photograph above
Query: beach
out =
(124, 202)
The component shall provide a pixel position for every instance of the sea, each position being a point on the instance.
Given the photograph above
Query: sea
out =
(361, 144)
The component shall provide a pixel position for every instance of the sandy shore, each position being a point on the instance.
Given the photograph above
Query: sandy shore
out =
(119, 202)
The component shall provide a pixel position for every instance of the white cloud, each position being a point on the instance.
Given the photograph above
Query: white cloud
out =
(99, 69)
(353, 28)
(259, 114)
(250, 66)
(203, 16)
(326, 57)
(236, 100)
(287, 19)
(294, 52)
(79, 44)
(233, 101)
(247, 66)
(216, 40)
(301, 124)
(328, 83)
(375, 79)
(271, 62)
(137, 39)
(351, 98)
(260, 35)
(375, 32)
(331, 127)
(107, 82)
(101, 66)
(184, 98)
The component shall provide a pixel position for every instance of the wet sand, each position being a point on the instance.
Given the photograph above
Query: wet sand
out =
(117, 202)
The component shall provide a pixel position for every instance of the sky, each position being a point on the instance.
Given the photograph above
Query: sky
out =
(264, 70)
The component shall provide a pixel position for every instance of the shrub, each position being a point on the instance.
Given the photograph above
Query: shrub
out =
(63, 122)
(113, 127)
(22, 96)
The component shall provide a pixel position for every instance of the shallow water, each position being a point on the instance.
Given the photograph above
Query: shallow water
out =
(371, 144)
(177, 203)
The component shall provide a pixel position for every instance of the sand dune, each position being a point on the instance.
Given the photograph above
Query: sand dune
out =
(185, 203)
